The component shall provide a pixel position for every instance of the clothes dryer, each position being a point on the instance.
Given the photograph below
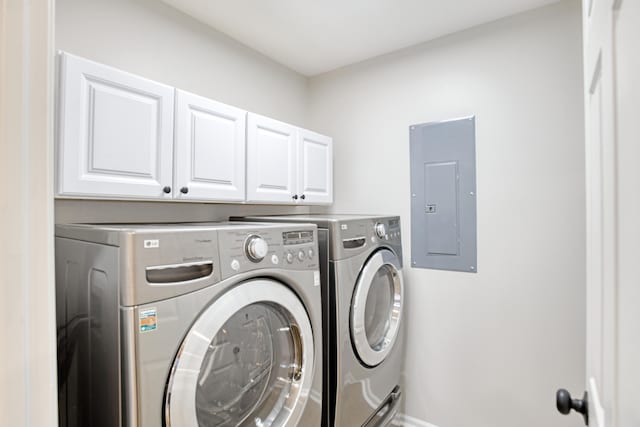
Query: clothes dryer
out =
(187, 325)
(363, 292)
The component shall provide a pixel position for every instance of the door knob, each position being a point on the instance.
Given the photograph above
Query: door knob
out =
(294, 197)
(565, 403)
(167, 189)
(184, 190)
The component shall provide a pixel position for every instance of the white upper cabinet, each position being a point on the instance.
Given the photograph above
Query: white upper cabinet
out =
(209, 149)
(122, 136)
(271, 160)
(115, 132)
(286, 164)
(315, 168)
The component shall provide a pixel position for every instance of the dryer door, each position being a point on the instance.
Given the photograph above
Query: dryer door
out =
(246, 361)
(376, 308)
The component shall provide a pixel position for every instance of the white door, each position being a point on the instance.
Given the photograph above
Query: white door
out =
(612, 102)
(627, 131)
(376, 308)
(271, 160)
(315, 168)
(115, 132)
(600, 167)
(246, 361)
(209, 149)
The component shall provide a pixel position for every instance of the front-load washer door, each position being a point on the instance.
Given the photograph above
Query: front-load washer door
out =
(376, 308)
(246, 361)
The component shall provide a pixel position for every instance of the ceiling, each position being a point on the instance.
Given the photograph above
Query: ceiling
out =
(312, 37)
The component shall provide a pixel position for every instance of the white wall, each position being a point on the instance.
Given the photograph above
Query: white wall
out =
(487, 349)
(153, 40)
(27, 308)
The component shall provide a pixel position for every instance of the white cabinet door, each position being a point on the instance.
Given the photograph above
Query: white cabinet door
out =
(315, 168)
(271, 160)
(210, 148)
(115, 132)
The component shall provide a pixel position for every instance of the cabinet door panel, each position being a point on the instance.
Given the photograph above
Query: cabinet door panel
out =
(210, 149)
(315, 170)
(115, 132)
(271, 160)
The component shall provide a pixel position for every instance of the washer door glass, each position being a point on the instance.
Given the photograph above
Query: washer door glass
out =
(246, 361)
(242, 371)
(377, 307)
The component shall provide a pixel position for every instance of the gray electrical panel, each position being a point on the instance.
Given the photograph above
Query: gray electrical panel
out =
(443, 195)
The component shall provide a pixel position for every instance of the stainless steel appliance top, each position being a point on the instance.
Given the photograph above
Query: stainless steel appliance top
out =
(111, 234)
(161, 261)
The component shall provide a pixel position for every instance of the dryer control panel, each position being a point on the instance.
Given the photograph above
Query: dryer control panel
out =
(356, 236)
(268, 246)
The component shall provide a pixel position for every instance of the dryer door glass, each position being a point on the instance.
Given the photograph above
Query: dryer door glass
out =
(376, 308)
(379, 307)
(246, 361)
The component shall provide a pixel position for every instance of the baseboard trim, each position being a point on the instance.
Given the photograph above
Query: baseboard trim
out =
(408, 421)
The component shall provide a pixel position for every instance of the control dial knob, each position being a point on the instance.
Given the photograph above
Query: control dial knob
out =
(256, 248)
(381, 230)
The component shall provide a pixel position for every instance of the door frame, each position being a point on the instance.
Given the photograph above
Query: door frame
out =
(27, 213)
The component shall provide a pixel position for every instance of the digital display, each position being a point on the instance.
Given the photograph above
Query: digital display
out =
(297, 237)
(394, 223)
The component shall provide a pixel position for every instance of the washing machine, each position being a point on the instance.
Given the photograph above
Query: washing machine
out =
(187, 325)
(363, 291)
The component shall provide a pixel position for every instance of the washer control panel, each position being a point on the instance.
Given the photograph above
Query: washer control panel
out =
(299, 246)
(247, 248)
(349, 235)
(256, 248)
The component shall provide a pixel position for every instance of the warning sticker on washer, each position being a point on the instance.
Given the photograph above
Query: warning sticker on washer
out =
(148, 320)
(316, 278)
